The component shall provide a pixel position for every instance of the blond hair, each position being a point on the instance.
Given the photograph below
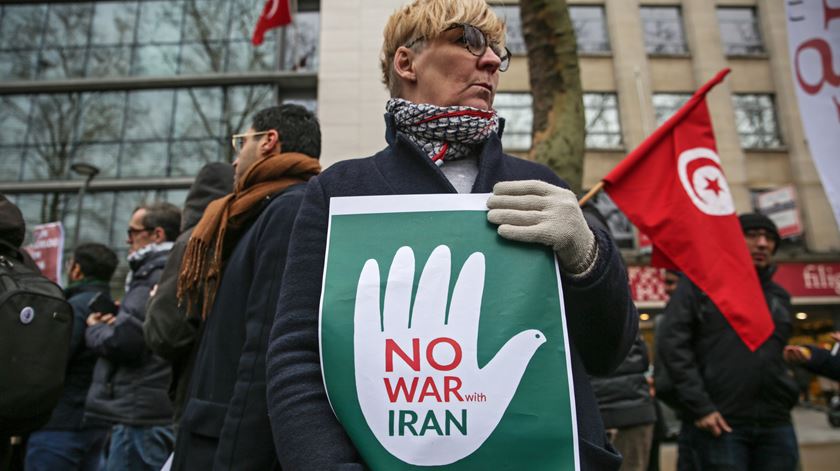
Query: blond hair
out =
(428, 19)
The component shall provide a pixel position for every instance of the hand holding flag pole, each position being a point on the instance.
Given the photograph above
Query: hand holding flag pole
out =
(673, 189)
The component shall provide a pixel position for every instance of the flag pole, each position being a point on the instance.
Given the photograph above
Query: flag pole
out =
(588, 196)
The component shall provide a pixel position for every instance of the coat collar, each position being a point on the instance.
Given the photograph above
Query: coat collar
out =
(407, 170)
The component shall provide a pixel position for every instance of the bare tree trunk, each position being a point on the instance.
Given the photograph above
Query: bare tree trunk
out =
(559, 124)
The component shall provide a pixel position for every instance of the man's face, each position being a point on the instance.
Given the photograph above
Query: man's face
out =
(139, 236)
(761, 245)
(249, 153)
(670, 281)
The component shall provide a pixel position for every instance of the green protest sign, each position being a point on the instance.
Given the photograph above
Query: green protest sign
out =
(442, 344)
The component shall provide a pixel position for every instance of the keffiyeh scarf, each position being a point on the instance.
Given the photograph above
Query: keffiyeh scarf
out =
(443, 132)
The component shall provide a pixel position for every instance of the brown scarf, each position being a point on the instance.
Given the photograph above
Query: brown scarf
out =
(226, 218)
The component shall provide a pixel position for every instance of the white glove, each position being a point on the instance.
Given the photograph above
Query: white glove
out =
(536, 211)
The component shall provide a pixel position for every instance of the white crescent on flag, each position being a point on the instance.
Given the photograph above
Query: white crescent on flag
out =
(275, 5)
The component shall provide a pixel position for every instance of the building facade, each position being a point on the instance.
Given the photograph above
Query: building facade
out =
(149, 90)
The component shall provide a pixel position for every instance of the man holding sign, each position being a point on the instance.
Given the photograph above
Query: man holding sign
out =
(408, 333)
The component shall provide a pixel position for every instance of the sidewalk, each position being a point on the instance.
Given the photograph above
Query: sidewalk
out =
(819, 443)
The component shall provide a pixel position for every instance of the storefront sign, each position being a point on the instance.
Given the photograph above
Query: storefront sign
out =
(810, 282)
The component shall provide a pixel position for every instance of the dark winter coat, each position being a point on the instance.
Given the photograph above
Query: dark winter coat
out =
(823, 363)
(711, 369)
(624, 396)
(225, 423)
(69, 411)
(130, 383)
(168, 331)
(602, 320)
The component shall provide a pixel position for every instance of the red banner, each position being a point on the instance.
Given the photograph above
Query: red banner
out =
(47, 248)
(810, 280)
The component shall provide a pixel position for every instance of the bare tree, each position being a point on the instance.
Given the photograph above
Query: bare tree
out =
(559, 125)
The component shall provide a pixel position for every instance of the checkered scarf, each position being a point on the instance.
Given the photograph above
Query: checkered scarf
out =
(443, 132)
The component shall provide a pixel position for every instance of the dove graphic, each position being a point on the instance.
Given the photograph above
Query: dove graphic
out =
(419, 385)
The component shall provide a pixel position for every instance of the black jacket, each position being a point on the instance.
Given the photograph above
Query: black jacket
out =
(168, 331)
(710, 367)
(225, 422)
(130, 383)
(69, 411)
(823, 363)
(624, 396)
(306, 432)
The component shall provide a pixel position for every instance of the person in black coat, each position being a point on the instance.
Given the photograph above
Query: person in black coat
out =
(815, 359)
(168, 330)
(130, 384)
(441, 61)
(734, 403)
(65, 442)
(234, 285)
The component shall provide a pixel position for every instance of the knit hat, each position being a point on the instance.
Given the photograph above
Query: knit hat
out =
(751, 221)
(12, 226)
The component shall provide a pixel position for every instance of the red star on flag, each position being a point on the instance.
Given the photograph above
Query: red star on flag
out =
(713, 185)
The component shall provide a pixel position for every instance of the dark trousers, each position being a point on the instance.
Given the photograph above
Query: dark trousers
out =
(65, 449)
(747, 447)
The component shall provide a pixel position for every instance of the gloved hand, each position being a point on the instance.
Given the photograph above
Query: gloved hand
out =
(535, 211)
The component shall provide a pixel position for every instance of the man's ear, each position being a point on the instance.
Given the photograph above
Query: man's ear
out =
(75, 273)
(404, 64)
(270, 143)
(158, 235)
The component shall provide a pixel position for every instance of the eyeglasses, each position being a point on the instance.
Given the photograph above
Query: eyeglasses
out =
(475, 41)
(238, 140)
(133, 232)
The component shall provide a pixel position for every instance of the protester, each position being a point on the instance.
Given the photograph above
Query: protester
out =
(735, 404)
(130, 383)
(815, 359)
(65, 442)
(627, 408)
(233, 266)
(169, 331)
(443, 56)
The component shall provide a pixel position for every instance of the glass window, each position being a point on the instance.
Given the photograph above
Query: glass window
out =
(516, 109)
(243, 18)
(206, 20)
(198, 112)
(155, 60)
(189, 156)
(103, 156)
(10, 163)
(59, 63)
(300, 51)
(14, 114)
(69, 24)
(663, 30)
(243, 56)
(95, 226)
(113, 23)
(149, 114)
(144, 159)
(21, 26)
(101, 116)
(603, 128)
(203, 57)
(739, 31)
(109, 61)
(666, 104)
(590, 28)
(160, 22)
(755, 118)
(515, 41)
(17, 65)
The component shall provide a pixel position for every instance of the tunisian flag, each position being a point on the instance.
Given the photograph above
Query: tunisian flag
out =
(673, 189)
(275, 14)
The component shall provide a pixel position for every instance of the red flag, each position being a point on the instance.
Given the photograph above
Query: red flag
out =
(275, 14)
(673, 189)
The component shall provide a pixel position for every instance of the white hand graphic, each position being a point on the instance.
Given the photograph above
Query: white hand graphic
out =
(417, 379)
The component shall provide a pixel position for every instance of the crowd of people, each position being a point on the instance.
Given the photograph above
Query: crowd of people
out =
(210, 359)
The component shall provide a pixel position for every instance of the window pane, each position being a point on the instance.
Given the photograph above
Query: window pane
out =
(666, 104)
(113, 23)
(11, 159)
(301, 42)
(755, 118)
(69, 24)
(160, 22)
(17, 65)
(189, 156)
(603, 129)
(62, 63)
(144, 159)
(514, 40)
(22, 26)
(206, 20)
(109, 61)
(590, 28)
(103, 156)
(198, 112)
(203, 57)
(101, 116)
(244, 16)
(156, 60)
(149, 114)
(52, 136)
(95, 225)
(663, 30)
(243, 56)
(515, 108)
(14, 114)
(739, 31)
